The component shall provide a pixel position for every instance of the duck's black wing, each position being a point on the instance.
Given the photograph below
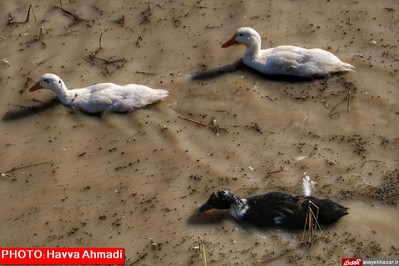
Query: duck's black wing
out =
(275, 209)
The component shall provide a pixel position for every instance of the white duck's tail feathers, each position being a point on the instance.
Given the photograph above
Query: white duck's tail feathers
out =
(156, 95)
(345, 67)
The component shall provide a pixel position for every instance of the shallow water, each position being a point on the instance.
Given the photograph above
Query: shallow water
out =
(135, 180)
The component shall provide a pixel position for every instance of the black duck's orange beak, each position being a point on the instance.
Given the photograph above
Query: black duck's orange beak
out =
(230, 42)
(35, 87)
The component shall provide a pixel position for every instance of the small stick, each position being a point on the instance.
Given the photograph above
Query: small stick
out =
(88, 59)
(202, 251)
(304, 229)
(335, 107)
(101, 35)
(92, 58)
(74, 16)
(348, 104)
(192, 120)
(69, 32)
(276, 171)
(108, 62)
(93, 54)
(41, 33)
(310, 235)
(107, 71)
(27, 16)
(145, 73)
(309, 223)
(11, 19)
(371, 161)
(22, 167)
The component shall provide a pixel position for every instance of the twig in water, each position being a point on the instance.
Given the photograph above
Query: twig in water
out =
(192, 120)
(348, 104)
(11, 19)
(93, 54)
(93, 58)
(68, 32)
(108, 62)
(41, 34)
(310, 225)
(145, 73)
(75, 17)
(100, 39)
(371, 161)
(276, 171)
(331, 113)
(8, 172)
(27, 16)
(202, 252)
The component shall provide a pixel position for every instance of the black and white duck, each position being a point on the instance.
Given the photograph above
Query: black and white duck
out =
(275, 208)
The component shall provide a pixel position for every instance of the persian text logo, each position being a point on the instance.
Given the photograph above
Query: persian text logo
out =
(352, 262)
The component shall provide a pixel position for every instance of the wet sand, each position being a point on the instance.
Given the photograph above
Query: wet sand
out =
(135, 180)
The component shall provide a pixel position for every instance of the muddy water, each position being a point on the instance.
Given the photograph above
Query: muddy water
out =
(135, 180)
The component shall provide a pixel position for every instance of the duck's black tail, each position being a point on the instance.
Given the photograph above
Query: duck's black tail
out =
(329, 211)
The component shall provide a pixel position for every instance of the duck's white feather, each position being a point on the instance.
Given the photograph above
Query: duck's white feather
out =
(239, 208)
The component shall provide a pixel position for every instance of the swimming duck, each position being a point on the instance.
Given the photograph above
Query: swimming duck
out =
(287, 59)
(101, 97)
(275, 209)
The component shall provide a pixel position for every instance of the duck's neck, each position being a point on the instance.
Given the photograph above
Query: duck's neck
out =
(66, 96)
(253, 49)
(239, 207)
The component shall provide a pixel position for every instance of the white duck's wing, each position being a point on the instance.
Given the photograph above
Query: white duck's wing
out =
(298, 61)
(97, 98)
(308, 62)
(135, 96)
(113, 97)
(282, 60)
(294, 63)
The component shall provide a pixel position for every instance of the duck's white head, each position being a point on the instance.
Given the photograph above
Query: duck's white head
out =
(245, 35)
(48, 81)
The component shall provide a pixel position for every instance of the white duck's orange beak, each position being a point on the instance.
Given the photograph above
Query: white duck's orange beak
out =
(230, 42)
(35, 87)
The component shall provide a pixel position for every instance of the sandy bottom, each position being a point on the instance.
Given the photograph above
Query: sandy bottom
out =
(135, 180)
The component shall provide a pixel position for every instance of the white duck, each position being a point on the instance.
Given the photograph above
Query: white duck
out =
(286, 59)
(103, 96)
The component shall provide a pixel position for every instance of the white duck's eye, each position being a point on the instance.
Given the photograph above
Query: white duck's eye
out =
(47, 81)
(240, 34)
(59, 81)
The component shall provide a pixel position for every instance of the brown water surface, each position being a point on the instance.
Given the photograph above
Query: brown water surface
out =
(135, 180)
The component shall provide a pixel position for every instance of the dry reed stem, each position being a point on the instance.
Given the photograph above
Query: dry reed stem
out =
(202, 251)
(75, 17)
(11, 19)
(192, 120)
(348, 104)
(310, 225)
